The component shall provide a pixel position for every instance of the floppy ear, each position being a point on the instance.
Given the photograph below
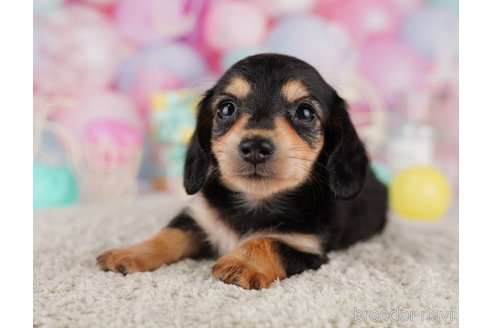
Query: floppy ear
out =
(198, 156)
(347, 158)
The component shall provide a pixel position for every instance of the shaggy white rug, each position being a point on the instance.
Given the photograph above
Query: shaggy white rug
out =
(406, 277)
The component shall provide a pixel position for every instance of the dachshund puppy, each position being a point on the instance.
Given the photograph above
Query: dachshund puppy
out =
(279, 177)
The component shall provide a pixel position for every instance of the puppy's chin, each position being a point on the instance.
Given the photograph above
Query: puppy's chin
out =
(261, 182)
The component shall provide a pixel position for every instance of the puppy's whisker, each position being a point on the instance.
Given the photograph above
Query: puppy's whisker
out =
(310, 161)
(301, 158)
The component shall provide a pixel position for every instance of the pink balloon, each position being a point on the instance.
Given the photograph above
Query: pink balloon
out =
(146, 22)
(103, 105)
(76, 50)
(284, 7)
(232, 24)
(367, 19)
(392, 66)
(324, 7)
(100, 2)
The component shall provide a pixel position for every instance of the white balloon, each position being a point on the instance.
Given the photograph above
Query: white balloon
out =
(326, 46)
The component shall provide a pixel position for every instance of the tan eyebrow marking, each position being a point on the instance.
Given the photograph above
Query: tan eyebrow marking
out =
(294, 90)
(238, 87)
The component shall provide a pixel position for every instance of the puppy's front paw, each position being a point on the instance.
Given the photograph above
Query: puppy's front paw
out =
(233, 270)
(124, 260)
(167, 246)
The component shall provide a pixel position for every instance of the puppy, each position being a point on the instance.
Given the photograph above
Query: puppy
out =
(280, 178)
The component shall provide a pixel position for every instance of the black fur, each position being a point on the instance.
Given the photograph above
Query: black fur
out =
(343, 205)
(295, 262)
(347, 159)
(198, 155)
(185, 222)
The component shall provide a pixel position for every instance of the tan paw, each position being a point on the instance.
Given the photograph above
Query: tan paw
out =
(233, 270)
(167, 246)
(125, 260)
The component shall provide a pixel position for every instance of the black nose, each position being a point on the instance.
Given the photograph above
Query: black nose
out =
(256, 150)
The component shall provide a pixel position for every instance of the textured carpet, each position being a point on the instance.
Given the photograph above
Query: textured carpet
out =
(406, 277)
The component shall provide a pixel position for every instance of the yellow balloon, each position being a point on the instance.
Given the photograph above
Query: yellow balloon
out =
(420, 192)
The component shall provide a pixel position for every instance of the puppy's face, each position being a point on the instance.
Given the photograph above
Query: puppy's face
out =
(266, 133)
(267, 124)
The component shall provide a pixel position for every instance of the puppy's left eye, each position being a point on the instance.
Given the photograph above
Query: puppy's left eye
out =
(226, 109)
(305, 112)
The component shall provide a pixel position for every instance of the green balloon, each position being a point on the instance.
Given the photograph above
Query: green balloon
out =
(53, 186)
(381, 172)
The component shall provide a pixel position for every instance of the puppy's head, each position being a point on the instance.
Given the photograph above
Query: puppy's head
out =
(270, 124)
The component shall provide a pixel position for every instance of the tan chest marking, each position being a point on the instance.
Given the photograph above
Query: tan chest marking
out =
(306, 243)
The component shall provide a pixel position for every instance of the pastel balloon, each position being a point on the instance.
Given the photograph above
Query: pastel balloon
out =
(176, 58)
(232, 24)
(420, 192)
(324, 7)
(392, 66)
(53, 186)
(407, 6)
(283, 7)
(453, 4)
(45, 7)
(381, 172)
(104, 105)
(432, 30)
(233, 56)
(39, 38)
(147, 22)
(167, 66)
(367, 19)
(76, 51)
(100, 2)
(324, 45)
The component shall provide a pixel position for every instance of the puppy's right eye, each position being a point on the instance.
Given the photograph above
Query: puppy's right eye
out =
(305, 112)
(226, 110)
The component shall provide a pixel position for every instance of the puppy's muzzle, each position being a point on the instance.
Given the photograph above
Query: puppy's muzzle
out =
(256, 150)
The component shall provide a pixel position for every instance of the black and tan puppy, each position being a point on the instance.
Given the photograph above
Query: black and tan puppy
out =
(280, 177)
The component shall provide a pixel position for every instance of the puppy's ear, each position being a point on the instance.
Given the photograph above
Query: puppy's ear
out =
(198, 156)
(347, 158)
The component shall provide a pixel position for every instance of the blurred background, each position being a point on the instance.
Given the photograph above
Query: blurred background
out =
(116, 83)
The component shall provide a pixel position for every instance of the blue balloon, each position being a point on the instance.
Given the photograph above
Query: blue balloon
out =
(430, 30)
(233, 56)
(453, 4)
(173, 58)
(324, 45)
(46, 7)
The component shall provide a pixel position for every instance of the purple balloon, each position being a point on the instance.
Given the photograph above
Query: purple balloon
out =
(392, 66)
(326, 46)
(432, 30)
(175, 59)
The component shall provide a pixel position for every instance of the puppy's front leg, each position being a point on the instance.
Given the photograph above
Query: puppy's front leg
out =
(179, 240)
(259, 262)
(256, 264)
